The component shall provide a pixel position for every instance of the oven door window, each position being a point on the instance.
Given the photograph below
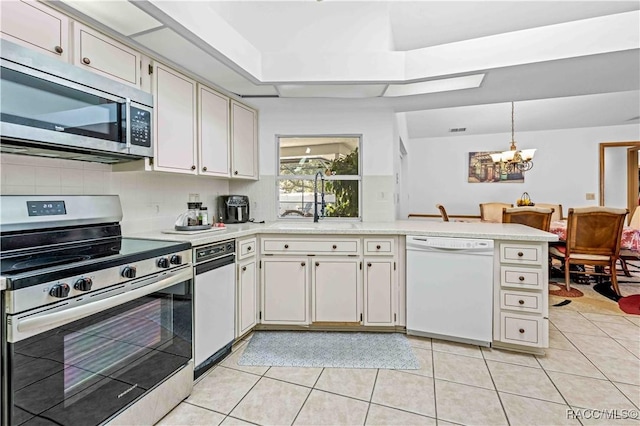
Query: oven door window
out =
(86, 371)
(34, 102)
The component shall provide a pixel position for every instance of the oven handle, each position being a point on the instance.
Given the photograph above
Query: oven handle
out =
(44, 322)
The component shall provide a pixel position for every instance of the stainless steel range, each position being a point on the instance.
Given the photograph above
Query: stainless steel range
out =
(91, 322)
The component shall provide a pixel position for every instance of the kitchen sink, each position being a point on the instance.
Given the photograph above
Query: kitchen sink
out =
(310, 226)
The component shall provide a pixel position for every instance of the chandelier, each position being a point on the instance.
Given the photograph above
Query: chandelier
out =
(514, 161)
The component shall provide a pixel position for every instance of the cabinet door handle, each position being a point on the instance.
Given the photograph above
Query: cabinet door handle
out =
(378, 247)
(520, 254)
(193, 167)
(204, 169)
(244, 268)
(521, 302)
(86, 60)
(334, 246)
(521, 278)
(58, 50)
(369, 264)
(317, 263)
(235, 173)
(302, 263)
(286, 246)
(521, 330)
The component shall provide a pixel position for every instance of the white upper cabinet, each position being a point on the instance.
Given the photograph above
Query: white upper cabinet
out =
(244, 141)
(36, 26)
(175, 121)
(213, 133)
(105, 56)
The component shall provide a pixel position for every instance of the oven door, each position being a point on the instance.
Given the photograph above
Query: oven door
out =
(85, 364)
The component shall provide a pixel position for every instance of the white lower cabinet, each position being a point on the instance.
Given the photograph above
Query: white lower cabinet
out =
(247, 296)
(285, 290)
(336, 293)
(380, 287)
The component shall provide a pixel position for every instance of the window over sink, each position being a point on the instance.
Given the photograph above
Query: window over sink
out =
(336, 158)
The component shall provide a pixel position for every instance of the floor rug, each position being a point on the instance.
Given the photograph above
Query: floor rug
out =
(559, 289)
(329, 349)
(606, 290)
(630, 304)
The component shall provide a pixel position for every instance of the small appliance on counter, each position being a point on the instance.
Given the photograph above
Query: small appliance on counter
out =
(233, 208)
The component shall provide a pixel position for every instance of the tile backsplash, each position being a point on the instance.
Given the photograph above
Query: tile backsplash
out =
(150, 200)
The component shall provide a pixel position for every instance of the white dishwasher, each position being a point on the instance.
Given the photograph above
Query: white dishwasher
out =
(450, 288)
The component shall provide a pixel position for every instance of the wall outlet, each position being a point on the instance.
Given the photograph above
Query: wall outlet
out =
(591, 196)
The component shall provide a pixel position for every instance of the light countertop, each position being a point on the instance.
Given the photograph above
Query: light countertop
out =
(3, 283)
(494, 231)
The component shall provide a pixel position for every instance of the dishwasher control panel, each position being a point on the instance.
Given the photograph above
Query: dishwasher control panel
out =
(214, 251)
(449, 243)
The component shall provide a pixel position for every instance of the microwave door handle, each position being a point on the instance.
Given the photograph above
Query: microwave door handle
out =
(127, 112)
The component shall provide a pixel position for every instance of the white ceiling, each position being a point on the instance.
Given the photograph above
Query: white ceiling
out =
(566, 64)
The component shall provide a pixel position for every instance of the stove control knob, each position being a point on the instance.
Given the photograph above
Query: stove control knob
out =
(83, 284)
(176, 259)
(59, 290)
(129, 272)
(163, 262)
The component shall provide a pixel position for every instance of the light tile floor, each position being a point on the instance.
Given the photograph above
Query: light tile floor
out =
(593, 363)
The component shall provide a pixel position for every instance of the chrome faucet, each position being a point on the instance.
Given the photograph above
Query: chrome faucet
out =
(316, 217)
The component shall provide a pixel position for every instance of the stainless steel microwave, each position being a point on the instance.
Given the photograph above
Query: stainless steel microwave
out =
(54, 109)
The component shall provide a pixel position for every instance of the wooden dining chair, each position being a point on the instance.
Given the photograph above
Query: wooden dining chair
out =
(627, 255)
(535, 217)
(593, 238)
(557, 210)
(492, 212)
(443, 212)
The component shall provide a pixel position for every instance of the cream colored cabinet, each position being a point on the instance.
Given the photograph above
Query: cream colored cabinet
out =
(521, 296)
(103, 55)
(336, 290)
(213, 133)
(247, 289)
(36, 26)
(244, 141)
(380, 281)
(285, 290)
(174, 121)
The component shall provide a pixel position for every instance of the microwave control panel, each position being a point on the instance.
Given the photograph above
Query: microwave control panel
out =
(140, 127)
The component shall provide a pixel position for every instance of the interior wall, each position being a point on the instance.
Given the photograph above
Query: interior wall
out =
(150, 200)
(565, 169)
(303, 117)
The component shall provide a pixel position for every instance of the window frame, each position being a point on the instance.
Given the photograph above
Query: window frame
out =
(279, 178)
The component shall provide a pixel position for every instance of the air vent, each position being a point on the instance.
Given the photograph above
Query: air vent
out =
(458, 130)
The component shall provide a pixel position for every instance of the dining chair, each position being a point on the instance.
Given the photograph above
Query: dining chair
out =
(593, 238)
(557, 210)
(626, 254)
(443, 212)
(492, 212)
(535, 217)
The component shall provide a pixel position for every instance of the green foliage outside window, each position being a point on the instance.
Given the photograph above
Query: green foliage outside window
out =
(345, 191)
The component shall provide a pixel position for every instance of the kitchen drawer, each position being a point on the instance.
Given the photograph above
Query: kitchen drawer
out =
(521, 329)
(310, 246)
(521, 301)
(246, 248)
(521, 253)
(512, 276)
(379, 246)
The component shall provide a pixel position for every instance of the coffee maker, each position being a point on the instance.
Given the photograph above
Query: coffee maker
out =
(233, 208)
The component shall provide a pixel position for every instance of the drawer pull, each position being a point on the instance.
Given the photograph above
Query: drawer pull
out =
(249, 248)
(244, 268)
(378, 247)
(520, 254)
(369, 264)
(204, 169)
(235, 173)
(193, 167)
(521, 278)
(334, 246)
(317, 263)
(86, 60)
(58, 50)
(521, 330)
(521, 302)
(303, 263)
(286, 246)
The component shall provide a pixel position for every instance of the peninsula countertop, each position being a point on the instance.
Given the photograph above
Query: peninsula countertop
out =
(494, 231)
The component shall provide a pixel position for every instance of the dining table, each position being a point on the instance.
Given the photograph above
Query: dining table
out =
(630, 236)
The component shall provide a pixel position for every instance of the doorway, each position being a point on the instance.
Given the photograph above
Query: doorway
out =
(630, 174)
